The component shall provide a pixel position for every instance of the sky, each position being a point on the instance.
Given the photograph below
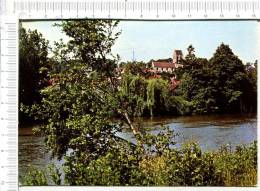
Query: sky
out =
(146, 40)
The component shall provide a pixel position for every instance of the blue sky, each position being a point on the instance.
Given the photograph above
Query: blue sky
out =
(157, 39)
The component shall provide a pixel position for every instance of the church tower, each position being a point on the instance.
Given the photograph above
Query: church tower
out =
(177, 57)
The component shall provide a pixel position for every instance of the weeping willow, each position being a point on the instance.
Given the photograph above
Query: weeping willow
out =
(157, 87)
(179, 104)
(151, 95)
(125, 84)
(137, 87)
(133, 87)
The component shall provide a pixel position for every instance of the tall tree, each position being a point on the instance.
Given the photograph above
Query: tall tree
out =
(80, 106)
(33, 65)
(191, 53)
(221, 84)
(230, 79)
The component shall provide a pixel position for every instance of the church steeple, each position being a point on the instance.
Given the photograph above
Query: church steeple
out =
(133, 58)
(177, 56)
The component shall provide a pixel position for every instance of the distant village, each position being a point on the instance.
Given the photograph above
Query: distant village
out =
(158, 67)
(168, 66)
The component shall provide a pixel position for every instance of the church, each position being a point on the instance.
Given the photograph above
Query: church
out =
(168, 65)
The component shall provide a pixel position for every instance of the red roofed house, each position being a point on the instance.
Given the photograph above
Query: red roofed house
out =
(168, 66)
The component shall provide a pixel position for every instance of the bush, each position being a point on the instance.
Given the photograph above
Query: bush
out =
(186, 166)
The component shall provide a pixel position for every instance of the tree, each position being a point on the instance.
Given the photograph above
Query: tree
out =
(191, 53)
(84, 108)
(231, 81)
(219, 85)
(33, 68)
(196, 83)
(135, 68)
(132, 94)
(91, 42)
(249, 97)
(81, 106)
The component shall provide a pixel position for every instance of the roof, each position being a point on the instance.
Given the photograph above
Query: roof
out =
(163, 64)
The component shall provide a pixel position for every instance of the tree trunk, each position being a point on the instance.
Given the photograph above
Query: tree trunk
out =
(135, 131)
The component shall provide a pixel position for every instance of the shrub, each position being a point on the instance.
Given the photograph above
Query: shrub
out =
(186, 166)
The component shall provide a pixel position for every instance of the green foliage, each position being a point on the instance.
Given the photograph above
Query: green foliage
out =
(79, 107)
(239, 167)
(33, 68)
(55, 174)
(86, 105)
(178, 105)
(219, 85)
(114, 168)
(134, 68)
(191, 167)
(191, 54)
(150, 97)
(62, 58)
(229, 87)
(77, 115)
(157, 89)
(91, 42)
(132, 94)
(51, 175)
(83, 109)
(163, 165)
(35, 177)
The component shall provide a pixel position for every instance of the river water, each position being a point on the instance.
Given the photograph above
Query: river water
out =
(210, 132)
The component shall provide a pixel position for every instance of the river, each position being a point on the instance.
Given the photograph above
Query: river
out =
(210, 132)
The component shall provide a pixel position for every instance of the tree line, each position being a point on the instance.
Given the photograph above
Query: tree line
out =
(76, 97)
(222, 84)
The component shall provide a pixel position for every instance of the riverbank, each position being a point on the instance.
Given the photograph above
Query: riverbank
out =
(185, 166)
(210, 132)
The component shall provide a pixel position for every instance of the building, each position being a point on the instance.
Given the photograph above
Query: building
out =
(177, 56)
(168, 65)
